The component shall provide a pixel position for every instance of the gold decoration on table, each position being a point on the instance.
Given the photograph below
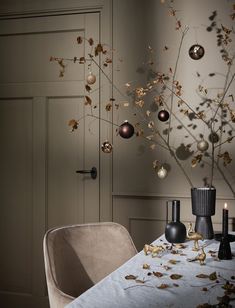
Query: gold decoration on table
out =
(194, 236)
(201, 257)
(153, 250)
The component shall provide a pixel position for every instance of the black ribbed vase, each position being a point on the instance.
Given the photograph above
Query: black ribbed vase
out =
(203, 206)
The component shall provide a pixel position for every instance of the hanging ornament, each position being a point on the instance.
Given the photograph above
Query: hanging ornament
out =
(91, 79)
(202, 145)
(162, 173)
(163, 115)
(126, 130)
(196, 52)
(107, 147)
(213, 137)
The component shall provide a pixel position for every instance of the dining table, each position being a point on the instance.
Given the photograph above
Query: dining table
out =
(167, 275)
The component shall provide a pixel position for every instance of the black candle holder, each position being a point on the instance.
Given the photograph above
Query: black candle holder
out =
(224, 249)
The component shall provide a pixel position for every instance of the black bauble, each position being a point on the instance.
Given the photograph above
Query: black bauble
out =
(126, 130)
(163, 115)
(196, 52)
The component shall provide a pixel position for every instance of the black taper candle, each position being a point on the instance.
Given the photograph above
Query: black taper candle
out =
(225, 220)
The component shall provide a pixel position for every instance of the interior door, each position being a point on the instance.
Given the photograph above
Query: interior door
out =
(39, 155)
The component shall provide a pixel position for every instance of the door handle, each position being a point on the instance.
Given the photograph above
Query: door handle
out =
(93, 172)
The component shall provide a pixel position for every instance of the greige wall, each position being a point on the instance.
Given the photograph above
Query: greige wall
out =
(139, 195)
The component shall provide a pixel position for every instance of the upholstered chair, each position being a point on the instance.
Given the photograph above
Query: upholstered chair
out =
(78, 256)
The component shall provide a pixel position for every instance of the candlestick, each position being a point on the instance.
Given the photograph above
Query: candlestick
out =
(225, 221)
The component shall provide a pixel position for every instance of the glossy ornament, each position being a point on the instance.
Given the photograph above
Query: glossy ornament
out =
(126, 130)
(107, 147)
(202, 145)
(162, 173)
(196, 52)
(175, 231)
(163, 115)
(213, 137)
(91, 79)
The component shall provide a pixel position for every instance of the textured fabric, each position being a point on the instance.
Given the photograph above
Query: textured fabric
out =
(78, 256)
(114, 291)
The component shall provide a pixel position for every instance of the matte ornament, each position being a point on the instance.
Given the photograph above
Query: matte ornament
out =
(202, 145)
(91, 79)
(162, 173)
(163, 115)
(213, 137)
(196, 52)
(107, 147)
(126, 130)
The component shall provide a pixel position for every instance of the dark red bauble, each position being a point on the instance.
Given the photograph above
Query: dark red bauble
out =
(163, 115)
(126, 130)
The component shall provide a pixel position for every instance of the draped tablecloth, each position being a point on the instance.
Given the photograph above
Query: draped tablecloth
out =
(115, 291)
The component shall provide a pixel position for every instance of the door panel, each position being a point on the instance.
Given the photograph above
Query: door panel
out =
(39, 155)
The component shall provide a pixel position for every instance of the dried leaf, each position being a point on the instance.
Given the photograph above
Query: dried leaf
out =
(173, 261)
(157, 274)
(74, 124)
(213, 276)
(79, 40)
(108, 107)
(91, 41)
(175, 276)
(202, 276)
(88, 88)
(88, 100)
(140, 281)
(166, 267)
(130, 277)
(146, 266)
(163, 286)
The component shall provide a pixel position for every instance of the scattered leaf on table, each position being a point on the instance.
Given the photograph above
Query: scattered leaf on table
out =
(166, 267)
(202, 276)
(146, 266)
(163, 286)
(204, 289)
(157, 274)
(139, 281)
(175, 276)
(130, 277)
(180, 246)
(213, 276)
(173, 261)
(175, 285)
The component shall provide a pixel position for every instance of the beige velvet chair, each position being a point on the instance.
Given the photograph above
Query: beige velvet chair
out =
(78, 256)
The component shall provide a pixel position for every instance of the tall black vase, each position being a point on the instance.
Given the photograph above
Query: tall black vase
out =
(203, 206)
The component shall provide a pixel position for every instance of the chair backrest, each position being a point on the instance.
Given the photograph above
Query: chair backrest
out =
(78, 256)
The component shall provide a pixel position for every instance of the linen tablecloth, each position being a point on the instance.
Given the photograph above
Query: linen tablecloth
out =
(115, 291)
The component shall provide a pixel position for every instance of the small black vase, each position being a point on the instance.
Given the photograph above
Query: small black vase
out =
(175, 231)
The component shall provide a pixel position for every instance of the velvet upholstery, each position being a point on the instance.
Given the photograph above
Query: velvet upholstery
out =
(78, 256)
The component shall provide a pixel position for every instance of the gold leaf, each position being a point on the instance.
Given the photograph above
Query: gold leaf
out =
(74, 124)
(173, 261)
(79, 39)
(91, 41)
(88, 100)
(108, 107)
(82, 60)
(146, 266)
(157, 274)
(139, 281)
(88, 88)
(202, 276)
(175, 276)
(213, 276)
(130, 277)
(163, 286)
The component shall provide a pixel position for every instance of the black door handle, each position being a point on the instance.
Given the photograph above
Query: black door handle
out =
(93, 172)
